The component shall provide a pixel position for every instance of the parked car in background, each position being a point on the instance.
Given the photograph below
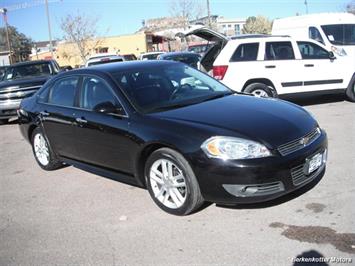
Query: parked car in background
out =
(129, 57)
(190, 59)
(103, 59)
(199, 48)
(336, 31)
(150, 55)
(269, 66)
(175, 130)
(22, 80)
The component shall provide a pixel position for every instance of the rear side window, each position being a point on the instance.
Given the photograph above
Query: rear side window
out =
(314, 34)
(63, 92)
(245, 52)
(279, 51)
(95, 91)
(312, 51)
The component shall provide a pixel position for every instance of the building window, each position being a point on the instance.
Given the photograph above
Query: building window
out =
(101, 50)
(237, 29)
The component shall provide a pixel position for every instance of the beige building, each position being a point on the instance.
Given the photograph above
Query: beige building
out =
(68, 54)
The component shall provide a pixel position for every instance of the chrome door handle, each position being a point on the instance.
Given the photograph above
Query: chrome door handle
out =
(81, 120)
(44, 113)
(270, 66)
(309, 65)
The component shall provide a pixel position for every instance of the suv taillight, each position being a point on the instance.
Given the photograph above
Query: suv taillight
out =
(219, 71)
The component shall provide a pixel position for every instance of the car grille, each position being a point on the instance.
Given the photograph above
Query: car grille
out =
(299, 143)
(299, 177)
(17, 93)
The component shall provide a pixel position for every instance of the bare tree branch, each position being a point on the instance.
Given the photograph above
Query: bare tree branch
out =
(187, 9)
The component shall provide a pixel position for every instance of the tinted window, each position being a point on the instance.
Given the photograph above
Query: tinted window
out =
(314, 34)
(312, 51)
(105, 61)
(28, 70)
(341, 34)
(279, 51)
(188, 59)
(95, 91)
(63, 92)
(168, 87)
(246, 52)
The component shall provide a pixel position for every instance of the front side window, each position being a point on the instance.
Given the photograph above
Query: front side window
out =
(314, 34)
(95, 91)
(312, 51)
(340, 34)
(279, 51)
(168, 87)
(63, 92)
(245, 52)
(26, 71)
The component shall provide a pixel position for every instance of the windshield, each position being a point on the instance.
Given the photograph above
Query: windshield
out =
(24, 71)
(100, 62)
(167, 87)
(190, 60)
(150, 56)
(340, 34)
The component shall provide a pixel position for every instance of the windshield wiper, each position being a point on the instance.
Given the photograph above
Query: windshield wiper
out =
(168, 107)
(216, 96)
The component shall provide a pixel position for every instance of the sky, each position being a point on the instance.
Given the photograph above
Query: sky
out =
(117, 17)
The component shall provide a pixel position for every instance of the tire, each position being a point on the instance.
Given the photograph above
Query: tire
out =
(40, 146)
(350, 92)
(260, 90)
(4, 121)
(181, 179)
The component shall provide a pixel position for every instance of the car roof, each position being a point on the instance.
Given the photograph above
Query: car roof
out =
(30, 63)
(178, 53)
(99, 56)
(120, 67)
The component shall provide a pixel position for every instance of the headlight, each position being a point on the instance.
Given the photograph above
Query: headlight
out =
(230, 148)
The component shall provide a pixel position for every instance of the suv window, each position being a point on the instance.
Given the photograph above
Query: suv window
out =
(95, 91)
(27, 70)
(279, 51)
(314, 34)
(312, 51)
(245, 52)
(63, 92)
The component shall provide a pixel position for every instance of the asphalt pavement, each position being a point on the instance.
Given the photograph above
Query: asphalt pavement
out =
(71, 217)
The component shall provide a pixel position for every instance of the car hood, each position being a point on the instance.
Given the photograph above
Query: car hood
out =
(270, 121)
(23, 83)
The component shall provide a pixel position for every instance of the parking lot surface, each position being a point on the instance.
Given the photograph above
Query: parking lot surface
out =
(70, 216)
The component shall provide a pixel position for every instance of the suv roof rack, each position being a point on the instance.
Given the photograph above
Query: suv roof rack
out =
(247, 36)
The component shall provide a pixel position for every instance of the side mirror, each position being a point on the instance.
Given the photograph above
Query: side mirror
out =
(332, 56)
(108, 108)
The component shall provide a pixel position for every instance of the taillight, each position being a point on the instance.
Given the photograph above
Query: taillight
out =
(219, 71)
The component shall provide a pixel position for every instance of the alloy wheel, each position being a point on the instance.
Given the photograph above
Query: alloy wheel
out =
(41, 149)
(260, 93)
(168, 183)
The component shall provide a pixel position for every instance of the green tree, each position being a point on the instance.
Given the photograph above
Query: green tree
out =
(257, 25)
(20, 44)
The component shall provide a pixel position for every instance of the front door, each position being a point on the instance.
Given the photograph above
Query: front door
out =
(103, 139)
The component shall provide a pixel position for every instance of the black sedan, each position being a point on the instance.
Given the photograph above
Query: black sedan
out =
(174, 130)
(190, 59)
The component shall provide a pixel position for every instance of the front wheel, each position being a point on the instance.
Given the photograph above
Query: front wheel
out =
(260, 90)
(171, 182)
(350, 92)
(45, 157)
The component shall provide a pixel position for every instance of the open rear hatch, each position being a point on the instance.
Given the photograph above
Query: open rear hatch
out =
(220, 40)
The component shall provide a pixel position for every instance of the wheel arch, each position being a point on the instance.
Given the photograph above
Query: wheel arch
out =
(260, 80)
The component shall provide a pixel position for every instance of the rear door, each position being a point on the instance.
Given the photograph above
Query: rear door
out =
(282, 67)
(102, 139)
(57, 115)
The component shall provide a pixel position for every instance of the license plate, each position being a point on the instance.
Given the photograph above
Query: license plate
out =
(315, 162)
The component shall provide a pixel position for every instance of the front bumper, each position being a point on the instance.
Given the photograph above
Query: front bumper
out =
(256, 180)
(8, 108)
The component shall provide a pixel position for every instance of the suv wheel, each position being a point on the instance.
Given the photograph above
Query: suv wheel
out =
(350, 92)
(171, 182)
(42, 152)
(260, 90)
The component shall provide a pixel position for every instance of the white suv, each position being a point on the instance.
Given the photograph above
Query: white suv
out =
(269, 66)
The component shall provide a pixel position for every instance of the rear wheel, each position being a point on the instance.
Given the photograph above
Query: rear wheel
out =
(45, 157)
(171, 182)
(350, 92)
(260, 90)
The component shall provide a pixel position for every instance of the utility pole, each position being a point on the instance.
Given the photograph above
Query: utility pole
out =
(209, 14)
(4, 11)
(306, 4)
(49, 29)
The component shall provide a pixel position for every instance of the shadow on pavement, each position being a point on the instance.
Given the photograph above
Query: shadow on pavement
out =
(314, 100)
